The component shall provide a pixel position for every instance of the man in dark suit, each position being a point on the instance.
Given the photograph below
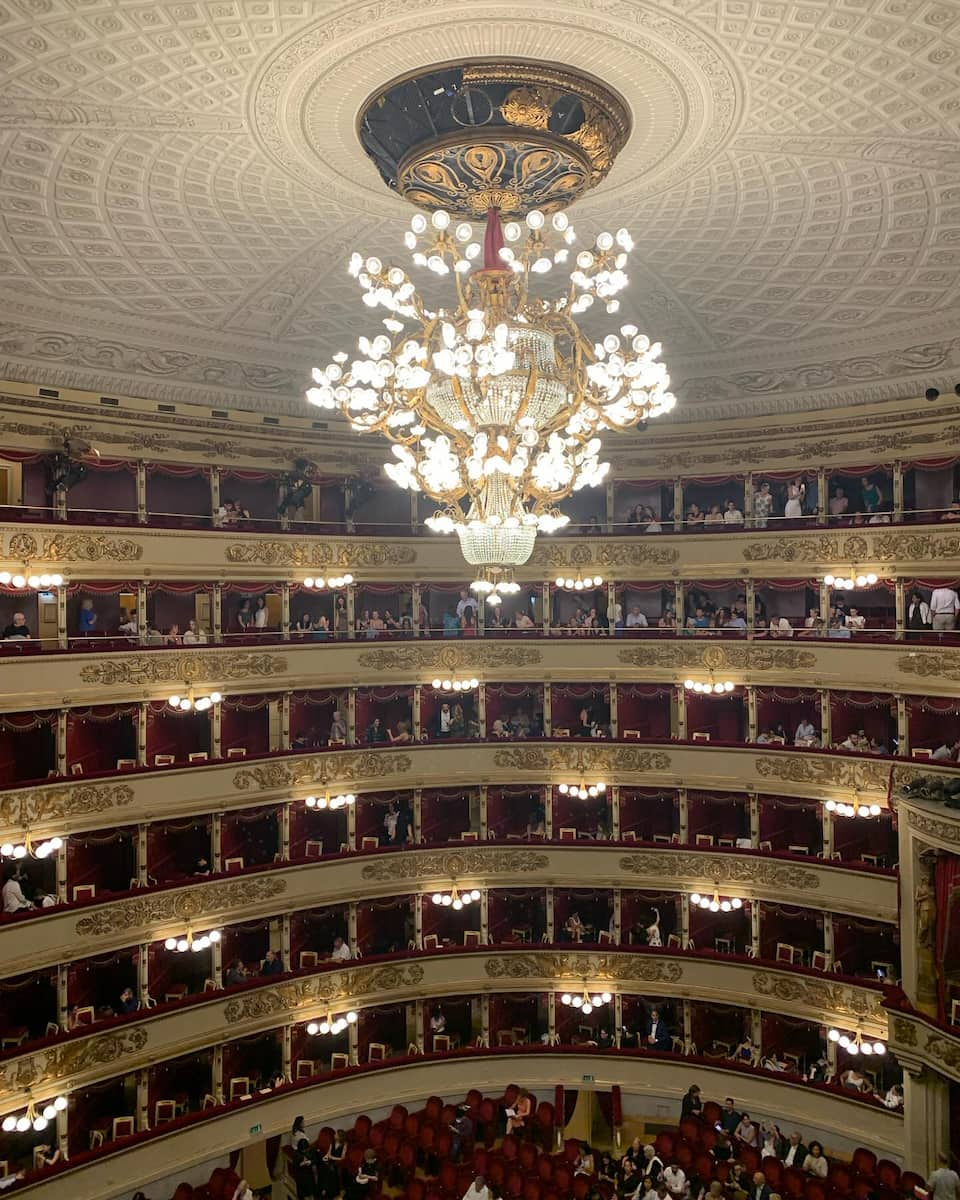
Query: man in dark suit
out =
(729, 1117)
(759, 1188)
(793, 1151)
(657, 1035)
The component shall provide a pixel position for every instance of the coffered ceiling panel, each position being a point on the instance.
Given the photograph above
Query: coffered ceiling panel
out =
(181, 184)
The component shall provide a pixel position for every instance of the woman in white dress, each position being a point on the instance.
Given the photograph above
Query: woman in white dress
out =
(796, 491)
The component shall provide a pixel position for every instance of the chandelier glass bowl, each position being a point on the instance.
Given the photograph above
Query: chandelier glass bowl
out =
(495, 403)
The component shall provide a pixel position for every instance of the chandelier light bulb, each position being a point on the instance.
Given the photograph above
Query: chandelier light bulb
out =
(19, 852)
(577, 1002)
(183, 945)
(170, 943)
(566, 998)
(313, 1029)
(49, 1112)
(586, 1008)
(40, 1124)
(23, 1124)
(325, 1027)
(695, 898)
(9, 1124)
(19, 581)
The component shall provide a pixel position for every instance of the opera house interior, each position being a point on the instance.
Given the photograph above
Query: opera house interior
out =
(442, 446)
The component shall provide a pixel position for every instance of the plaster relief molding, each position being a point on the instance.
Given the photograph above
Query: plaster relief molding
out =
(31, 807)
(310, 553)
(72, 548)
(26, 112)
(711, 657)
(329, 988)
(867, 548)
(341, 768)
(917, 1044)
(826, 771)
(180, 908)
(192, 667)
(454, 864)
(595, 968)
(69, 1059)
(857, 1004)
(721, 868)
(932, 154)
(945, 831)
(475, 655)
(929, 664)
(554, 759)
(602, 554)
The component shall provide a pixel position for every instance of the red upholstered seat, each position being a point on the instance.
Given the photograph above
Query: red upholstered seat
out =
(840, 1178)
(571, 1150)
(448, 1114)
(814, 1189)
(480, 1158)
(690, 1128)
(488, 1119)
(433, 1109)
(411, 1125)
(325, 1139)
(581, 1187)
(750, 1157)
(184, 1192)
(793, 1180)
(864, 1161)
(416, 1189)
(448, 1178)
(376, 1136)
(496, 1172)
(531, 1189)
(703, 1164)
(712, 1112)
(862, 1187)
(772, 1169)
(515, 1181)
(391, 1145)
(562, 1179)
(406, 1161)
(397, 1117)
(362, 1126)
(683, 1153)
(474, 1097)
(663, 1144)
(509, 1148)
(528, 1156)
(545, 1168)
(888, 1173)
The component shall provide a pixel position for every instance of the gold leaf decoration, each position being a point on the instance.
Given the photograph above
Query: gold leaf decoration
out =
(309, 553)
(454, 864)
(932, 664)
(327, 987)
(600, 968)
(722, 868)
(904, 1031)
(832, 771)
(947, 831)
(188, 668)
(38, 806)
(589, 757)
(823, 547)
(182, 906)
(822, 994)
(449, 658)
(604, 554)
(322, 769)
(68, 1059)
(74, 547)
(711, 657)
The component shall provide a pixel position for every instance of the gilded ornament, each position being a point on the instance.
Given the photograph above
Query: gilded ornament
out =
(604, 554)
(944, 1051)
(454, 864)
(587, 758)
(188, 668)
(821, 994)
(181, 907)
(697, 655)
(30, 807)
(822, 547)
(303, 554)
(946, 831)
(325, 986)
(73, 547)
(915, 547)
(323, 769)
(721, 868)
(929, 665)
(598, 968)
(478, 655)
(831, 772)
(904, 1031)
(69, 1059)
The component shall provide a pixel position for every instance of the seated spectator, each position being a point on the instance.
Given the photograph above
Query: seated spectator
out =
(668, 619)
(738, 1182)
(723, 1149)
(657, 1035)
(376, 734)
(731, 514)
(746, 1131)
(806, 734)
(43, 899)
(694, 517)
(636, 619)
(780, 627)
(675, 1180)
(341, 951)
(793, 1151)
(737, 621)
(651, 1165)
(855, 621)
(765, 737)
(747, 1052)
(815, 1163)
(606, 1168)
(477, 1190)
(403, 733)
(524, 621)
(838, 504)
(128, 622)
(630, 1180)
(947, 752)
(272, 964)
(759, 1188)
(729, 1117)
(461, 1129)
(13, 898)
(517, 1115)
(953, 512)
(194, 636)
(653, 524)
(172, 636)
(894, 1097)
(852, 1079)
(128, 1001)
(17, 628)
(714, 517)
(713, 1192)
(838, 628)
(770, 1140)
(234, 974)
(584, 1163)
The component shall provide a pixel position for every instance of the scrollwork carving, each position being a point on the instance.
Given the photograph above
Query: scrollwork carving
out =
(455, 864)
(449, 658)
(39, 806)
(605, 554)
(73, 547)
(832, 771)
(181, 907)
(945, 831)
(820, 994)
(71, 1058)
(720, 867)
(299, 553)
(598, 968)
(754, 657)
(323, 769)
(588, 757)
(929, 665)
(329, 987)
(188, 667)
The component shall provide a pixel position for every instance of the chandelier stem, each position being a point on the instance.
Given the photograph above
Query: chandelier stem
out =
(493, 242)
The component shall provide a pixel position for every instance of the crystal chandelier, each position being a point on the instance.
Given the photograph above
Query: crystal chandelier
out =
(494, 404)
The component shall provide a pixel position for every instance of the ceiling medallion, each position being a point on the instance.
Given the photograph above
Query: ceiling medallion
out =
(507, 135)
(495, 403)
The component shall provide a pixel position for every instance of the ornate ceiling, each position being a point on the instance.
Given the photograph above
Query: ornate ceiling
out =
(181, 184)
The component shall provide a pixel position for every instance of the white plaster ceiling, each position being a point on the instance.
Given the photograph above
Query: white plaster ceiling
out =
(180, 185)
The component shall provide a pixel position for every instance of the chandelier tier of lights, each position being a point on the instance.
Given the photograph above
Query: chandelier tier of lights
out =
(456, 685)
(331, 1024)
(28, 579)
(320, 584)
(197, 943)
(717, 688)
(36, 1116)
(456, 899)
(17, 850)
(586, 1001)
(495, 403)
(581, 790)
(856, 1043)
(847, 583)
(714, 903)
(191, 702)
(580, 584)
(857, 809)
(344, 800)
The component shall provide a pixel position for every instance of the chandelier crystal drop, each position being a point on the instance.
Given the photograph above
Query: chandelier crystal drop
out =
(495, 404)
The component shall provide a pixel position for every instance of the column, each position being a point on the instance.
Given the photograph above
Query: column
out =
(414, 512)
(286, 944)
(415, 600)
(142, 622)
(756, 1028)
(748, 501)
(352, 925)
(683, 812)
(900, 599)
(214, 491)
(926, 1118)
(417, 730)
(285, 830)
(824, 603)
(216, 964)
(62, 741)
(903, 728)
(62, 635)
(352, 827)
(418, 940)
(216, 837)
(614, 712)
(62, 873)
(826, 737)
(678, 601)
(828, 942)
(898, 491)
(614, 793)
(617, 915)
(286, 701)
(611, 519)
(482, 709)
(141, 492)
(417, 816)
(918, 922)
(142, 830)
(143, 973)
(143, 710)
(216, 1074)
(285, 611)
(547, 800)
(679, 719)
(755, 821)
(678, 505)
(684, 920)
(216, 610)
(687, 1027)
(484, 918)
(617, 1018)
(755, 928)
(545, 609)
(481, 615)
(352, 714)
(547, 712)
(216, 731)
(351, 610)
(485, 1021)
(751, 713)
(828, 827)
(551, 928)
(286, 1051)
(484, 814)
(143, 1100)
(63, 1141)
(750, 598)
(63, 970)
(822, 497)
(552, 1023)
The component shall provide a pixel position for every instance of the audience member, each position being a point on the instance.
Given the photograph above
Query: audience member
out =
(657, 1036)
(675, 1180)
(746, 1131)
(731, 514)
(128, 1001)
(87, 618)
(762, 505)
(13, 898)
(477, 1190)
(272, 964)
(341, 951)
(729, 1117)
(815, 1163)
(794, 1152)
(944, 1183)
(584, 1161)
(17, 628)
(796, 494)
(234, 974)
(517, 1115)
(944, 606)
(759, 1189)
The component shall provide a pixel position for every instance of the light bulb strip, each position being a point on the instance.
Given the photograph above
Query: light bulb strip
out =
(856, 579)
(714, 903)
(19, 850)
(30, 1118)
(841, 809)
(580, 584)
(455, 685)
(321, 583)
(714, 687)
(856, 1044)
(191, 702)
(586, 1001)
(332, 1025)
(196, 943)
(582, 790)
(455, 898)
(20, 581)
(344, 800)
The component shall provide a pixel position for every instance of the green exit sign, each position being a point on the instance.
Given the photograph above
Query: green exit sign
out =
(256, 1129)
(588, 1079)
